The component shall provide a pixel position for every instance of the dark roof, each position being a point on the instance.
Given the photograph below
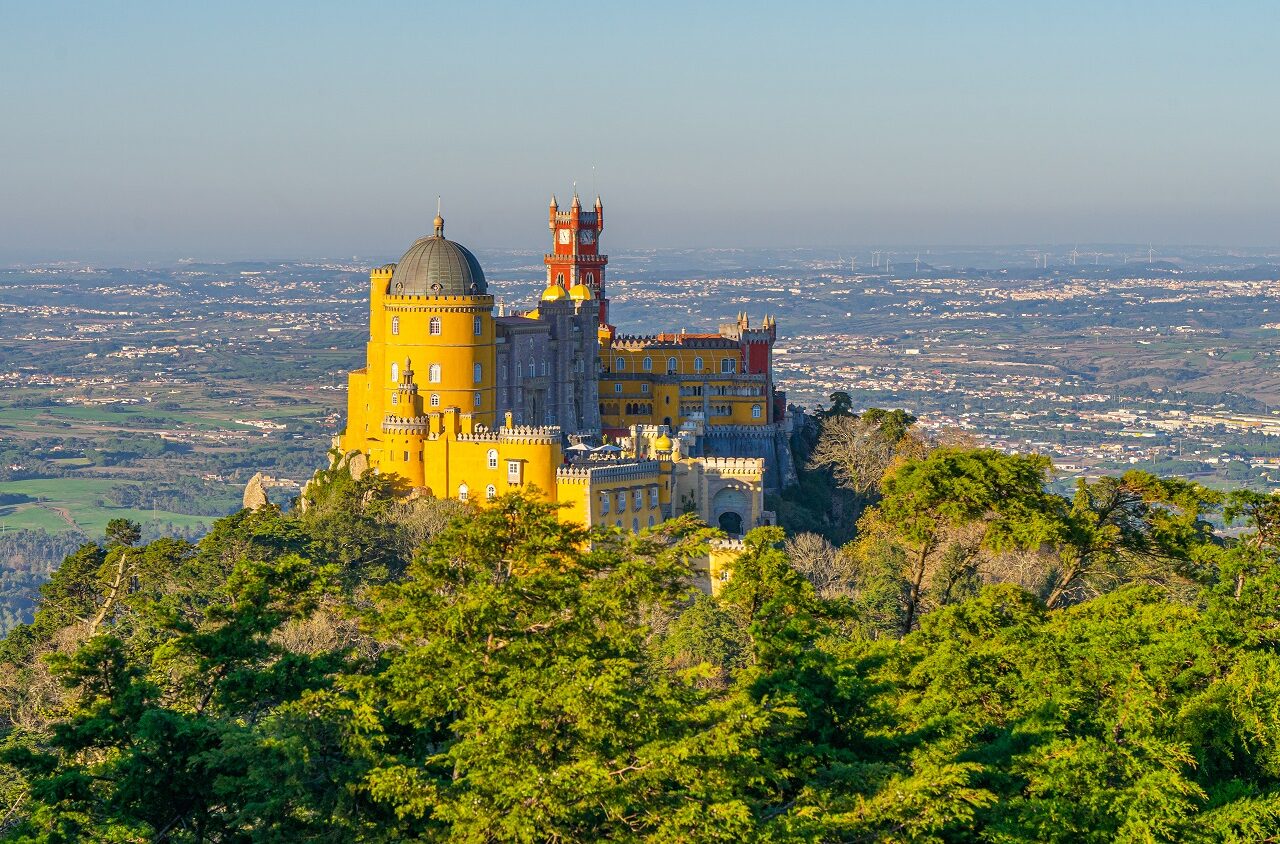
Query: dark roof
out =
(434, 266)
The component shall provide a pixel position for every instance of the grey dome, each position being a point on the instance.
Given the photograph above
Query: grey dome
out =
(434, 266)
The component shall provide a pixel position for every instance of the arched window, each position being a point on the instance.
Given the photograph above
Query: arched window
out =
(435, 400)
(395, 398)
(729, 366)
(477, 326)
(673, 366)
(463, 492)
(647, 364)
(635, 525)
(395, 373)
(490, 492)
(395, 325)
(433, 327)
(560, 279)
(433, 373)
(697, 364)
(591, 278)
(477, 373)
(755, 411)
(493, 458)
(620, 365)
(651, 521)
(477, 398)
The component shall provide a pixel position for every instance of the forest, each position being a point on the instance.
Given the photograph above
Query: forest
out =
(979, 660)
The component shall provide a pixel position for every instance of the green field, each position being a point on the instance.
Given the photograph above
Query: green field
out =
(79, 497)
(121, 419)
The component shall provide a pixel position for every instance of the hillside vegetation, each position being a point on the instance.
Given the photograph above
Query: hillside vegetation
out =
(984, 661)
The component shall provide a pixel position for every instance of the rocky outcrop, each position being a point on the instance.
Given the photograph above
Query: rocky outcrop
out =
(255, 493)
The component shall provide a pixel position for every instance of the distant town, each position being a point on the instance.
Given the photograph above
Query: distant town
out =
(130, 385)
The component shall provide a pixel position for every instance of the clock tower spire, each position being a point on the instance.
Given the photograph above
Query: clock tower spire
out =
(575, 256)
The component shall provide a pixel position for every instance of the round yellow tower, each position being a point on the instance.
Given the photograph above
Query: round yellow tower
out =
(435, 309)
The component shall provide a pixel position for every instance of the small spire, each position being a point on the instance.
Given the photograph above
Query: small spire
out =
(599, 204)
(554, 204)
(438, 222)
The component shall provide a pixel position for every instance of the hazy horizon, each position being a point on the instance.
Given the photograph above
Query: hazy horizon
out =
(150, 132)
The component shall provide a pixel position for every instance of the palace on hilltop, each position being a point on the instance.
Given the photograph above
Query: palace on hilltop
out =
(622, 430)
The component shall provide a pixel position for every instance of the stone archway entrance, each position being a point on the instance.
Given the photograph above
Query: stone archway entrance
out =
(729, 509)
(731, 523)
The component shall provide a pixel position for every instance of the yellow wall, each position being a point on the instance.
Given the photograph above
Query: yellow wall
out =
(665, 400)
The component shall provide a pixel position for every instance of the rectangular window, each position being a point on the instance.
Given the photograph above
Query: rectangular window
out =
(622, 502)
(477, 326)
(653, 496)
(638, 499)
(513, 471)
(617, 388)
(604, 503)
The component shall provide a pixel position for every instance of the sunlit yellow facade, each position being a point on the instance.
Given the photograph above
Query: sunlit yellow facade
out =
(463, 404)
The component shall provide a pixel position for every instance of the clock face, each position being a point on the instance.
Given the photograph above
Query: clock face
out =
(587, 236)
(565, 235)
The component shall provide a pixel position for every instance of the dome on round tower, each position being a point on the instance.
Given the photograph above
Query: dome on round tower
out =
(553, 293)
(434, 266)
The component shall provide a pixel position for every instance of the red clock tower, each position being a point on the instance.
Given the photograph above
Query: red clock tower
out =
(575, 250)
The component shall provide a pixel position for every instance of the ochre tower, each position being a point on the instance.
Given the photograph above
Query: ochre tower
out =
(575, 251)
(431, 363)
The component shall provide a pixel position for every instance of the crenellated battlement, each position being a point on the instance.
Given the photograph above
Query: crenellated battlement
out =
(641, 342)
(518, 434)
(637, 470)
(392, 424)
(732, 465)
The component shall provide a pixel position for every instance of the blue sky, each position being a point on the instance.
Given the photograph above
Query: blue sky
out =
(159, 130)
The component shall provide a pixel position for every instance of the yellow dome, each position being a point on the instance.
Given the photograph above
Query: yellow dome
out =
(580, 293)
(662, 443)
(553, 293)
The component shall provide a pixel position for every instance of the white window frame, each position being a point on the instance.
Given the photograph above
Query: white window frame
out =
(433, 326)
(395, 325)
(493, 458)
(464, 491)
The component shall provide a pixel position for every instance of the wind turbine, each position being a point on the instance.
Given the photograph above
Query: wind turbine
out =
(1151, 254)
(917, 263)
(1074, 254)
